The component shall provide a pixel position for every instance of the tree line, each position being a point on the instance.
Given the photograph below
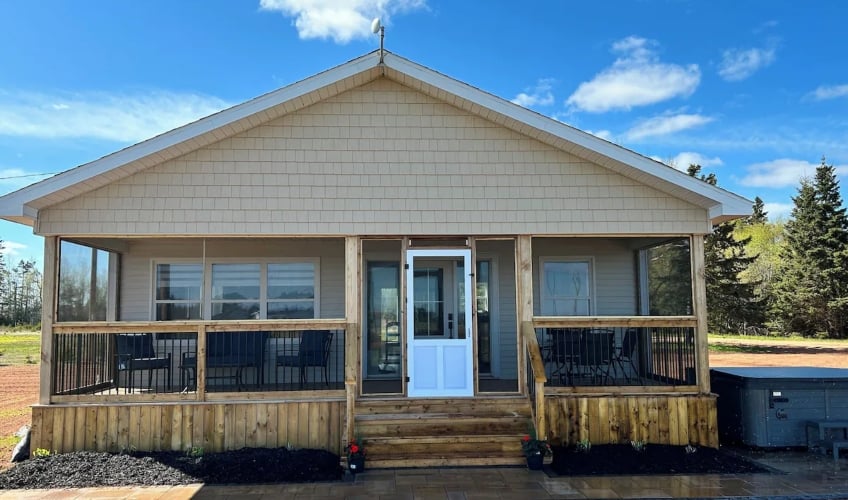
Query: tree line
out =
(781, 278)
(20, 293)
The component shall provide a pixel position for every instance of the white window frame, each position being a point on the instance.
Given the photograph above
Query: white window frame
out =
(543, 295)
(206, 280)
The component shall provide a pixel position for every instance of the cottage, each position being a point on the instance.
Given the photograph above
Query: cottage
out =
(377, 251)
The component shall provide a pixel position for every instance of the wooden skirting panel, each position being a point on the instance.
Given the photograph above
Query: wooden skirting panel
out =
(211, 426)
(659, 419)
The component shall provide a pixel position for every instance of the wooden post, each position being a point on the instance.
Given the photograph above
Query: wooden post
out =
(200, 376)
(353, 257)
(48, 315)
(523, 298)
(472, 296)
(699, 293)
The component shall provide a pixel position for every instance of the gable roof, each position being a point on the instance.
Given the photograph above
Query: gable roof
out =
(23, 205)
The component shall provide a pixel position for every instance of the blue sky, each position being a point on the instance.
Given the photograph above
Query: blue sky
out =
(755, 91)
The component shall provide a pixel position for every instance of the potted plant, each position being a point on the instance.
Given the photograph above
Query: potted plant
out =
(535, 450)
(355, 456)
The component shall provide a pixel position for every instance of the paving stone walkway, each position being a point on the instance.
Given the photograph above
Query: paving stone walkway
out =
(802, 475)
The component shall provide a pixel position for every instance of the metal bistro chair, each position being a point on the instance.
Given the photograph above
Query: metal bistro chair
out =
(313, 351)
(598, 354)
(134, 352)
(626, 352)
(563, 352)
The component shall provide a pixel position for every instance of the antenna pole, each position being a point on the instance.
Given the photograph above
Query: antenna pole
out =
(382, 35)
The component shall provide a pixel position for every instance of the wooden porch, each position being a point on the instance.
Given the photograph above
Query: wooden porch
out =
(665, 399)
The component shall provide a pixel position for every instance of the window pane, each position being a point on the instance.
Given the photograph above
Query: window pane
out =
(670, 279)
(178, 281)
(291, 310)
(79, 298)
(569, 279)
(291, 281)
(235, 310)
(172, 312)
(235, 281)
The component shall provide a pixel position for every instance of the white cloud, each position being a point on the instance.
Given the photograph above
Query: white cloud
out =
(100, 115)
(686, 158)
(636, 78)
(665, 125)
(603, 134)
(12, 249)
(824, 92)
(341, 20)
(739, 64)
(784, 172)
(778, 210)
(540, 95)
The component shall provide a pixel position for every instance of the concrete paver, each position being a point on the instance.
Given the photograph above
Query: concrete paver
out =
(798, 475)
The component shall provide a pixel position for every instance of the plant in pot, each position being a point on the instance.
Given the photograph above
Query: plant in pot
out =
(535, 450)
(355, 456)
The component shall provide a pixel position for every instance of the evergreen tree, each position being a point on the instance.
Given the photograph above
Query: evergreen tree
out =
(831, 253)
(758, 215)
(811, 294)
(732, 304)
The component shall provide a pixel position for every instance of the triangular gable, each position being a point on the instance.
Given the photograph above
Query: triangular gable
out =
(23, 205)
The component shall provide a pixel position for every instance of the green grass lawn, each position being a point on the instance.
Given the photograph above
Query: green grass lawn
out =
(716, 337)
(740, 348)
(18, 348)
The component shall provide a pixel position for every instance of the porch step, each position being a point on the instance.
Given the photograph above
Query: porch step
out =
(443, 432)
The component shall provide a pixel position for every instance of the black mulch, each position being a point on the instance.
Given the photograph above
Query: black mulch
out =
(248, 465)
(618, 460)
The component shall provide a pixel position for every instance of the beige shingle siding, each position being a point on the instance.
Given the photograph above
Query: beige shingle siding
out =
(378, 159)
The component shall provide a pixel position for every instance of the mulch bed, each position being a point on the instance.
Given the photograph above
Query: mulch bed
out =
(618, 460)
(248, 465)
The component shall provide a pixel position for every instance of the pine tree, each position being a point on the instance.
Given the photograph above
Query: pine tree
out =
(831, 253)
(812, 292)
(732, 304)
(758, 214)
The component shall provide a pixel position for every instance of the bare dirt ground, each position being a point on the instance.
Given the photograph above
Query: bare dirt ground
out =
(18, 390)
(780, 352)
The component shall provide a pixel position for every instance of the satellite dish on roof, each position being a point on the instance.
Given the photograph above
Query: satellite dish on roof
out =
(377, 27)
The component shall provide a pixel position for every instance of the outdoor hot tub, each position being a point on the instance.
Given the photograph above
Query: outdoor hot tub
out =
(770, 407)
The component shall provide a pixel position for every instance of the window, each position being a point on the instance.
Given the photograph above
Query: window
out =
(666, 279)
(236, 290)
(178, 291)
(83, 283)
(291, 290)
(566, 287)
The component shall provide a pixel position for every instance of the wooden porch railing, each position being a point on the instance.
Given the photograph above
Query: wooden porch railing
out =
(85, 365)
(536, 377)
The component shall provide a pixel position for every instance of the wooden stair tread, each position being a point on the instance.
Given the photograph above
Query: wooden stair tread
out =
(453, 461)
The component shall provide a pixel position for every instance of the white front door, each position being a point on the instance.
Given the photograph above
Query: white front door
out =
(440, 350)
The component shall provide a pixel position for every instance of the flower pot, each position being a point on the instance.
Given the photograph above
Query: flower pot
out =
(356, 464)
(535, 461)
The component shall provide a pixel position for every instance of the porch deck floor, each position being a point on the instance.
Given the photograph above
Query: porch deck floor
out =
(807, 475)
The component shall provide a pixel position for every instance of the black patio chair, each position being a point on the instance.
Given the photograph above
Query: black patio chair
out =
(313, 351)
(626, 352)
(134, 352)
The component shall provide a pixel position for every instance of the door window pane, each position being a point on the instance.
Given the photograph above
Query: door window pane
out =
(669, 278)
(428, 302)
